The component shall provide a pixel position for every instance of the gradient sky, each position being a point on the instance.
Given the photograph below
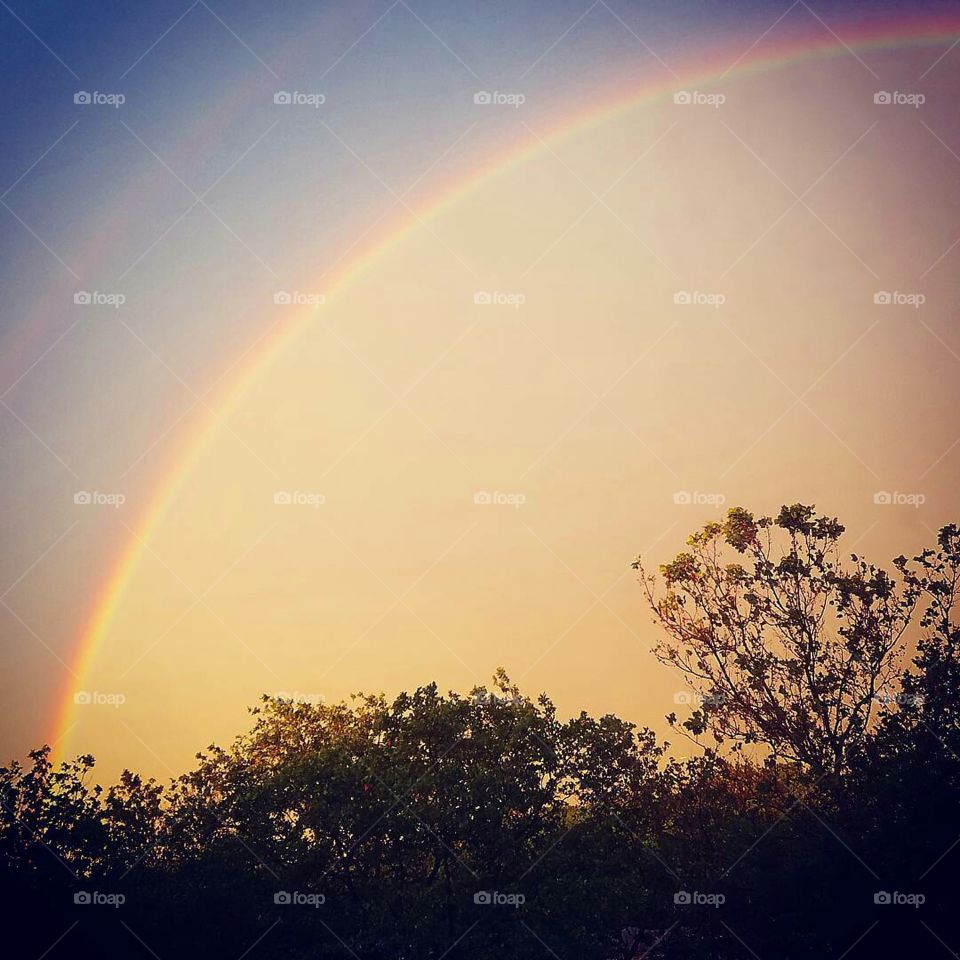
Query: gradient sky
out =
(599, 401)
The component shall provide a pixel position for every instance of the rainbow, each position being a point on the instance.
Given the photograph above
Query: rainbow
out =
(883, 34)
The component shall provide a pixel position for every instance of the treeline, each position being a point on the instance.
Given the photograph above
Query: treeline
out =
(819, 818)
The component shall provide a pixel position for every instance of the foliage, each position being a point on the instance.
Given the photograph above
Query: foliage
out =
(788, 645)
(442, 825)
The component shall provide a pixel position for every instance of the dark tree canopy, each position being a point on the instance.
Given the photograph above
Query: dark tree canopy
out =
(485, 825)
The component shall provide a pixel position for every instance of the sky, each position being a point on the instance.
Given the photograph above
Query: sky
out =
(353, 346)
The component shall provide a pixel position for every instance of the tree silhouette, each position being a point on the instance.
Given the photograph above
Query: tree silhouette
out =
(484, 825)
(788, 646)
